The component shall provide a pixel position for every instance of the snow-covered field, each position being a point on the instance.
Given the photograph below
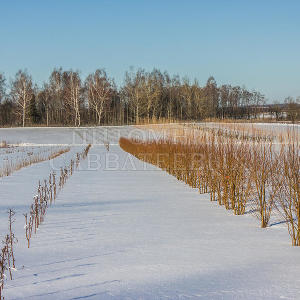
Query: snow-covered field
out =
(123, 229)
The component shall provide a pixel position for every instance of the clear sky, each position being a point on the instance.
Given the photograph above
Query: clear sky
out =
(252, 43)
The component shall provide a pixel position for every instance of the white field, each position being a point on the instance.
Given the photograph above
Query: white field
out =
(123, 229)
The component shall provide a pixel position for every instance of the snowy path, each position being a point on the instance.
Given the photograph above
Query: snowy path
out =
(121, 234)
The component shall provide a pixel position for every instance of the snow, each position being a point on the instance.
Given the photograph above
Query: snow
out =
(123, 229)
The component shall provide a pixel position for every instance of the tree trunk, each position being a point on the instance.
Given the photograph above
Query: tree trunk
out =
(47, 117)
(24, 110)
(137, 115)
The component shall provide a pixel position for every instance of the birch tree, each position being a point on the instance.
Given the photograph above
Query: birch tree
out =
(57, 110)
(21, 94)
(134, 93)
(72, 94)
(2, 87)
(45, 100)
(99, 91)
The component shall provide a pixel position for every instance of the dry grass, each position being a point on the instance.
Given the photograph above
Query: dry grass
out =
(238, 131)
(251, 121)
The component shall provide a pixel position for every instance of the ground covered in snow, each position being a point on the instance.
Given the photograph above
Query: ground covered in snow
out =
(122, 229)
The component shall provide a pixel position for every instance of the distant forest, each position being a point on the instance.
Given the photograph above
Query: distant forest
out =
(68, 100)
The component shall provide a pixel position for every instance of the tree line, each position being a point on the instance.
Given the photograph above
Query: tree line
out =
(68, 100)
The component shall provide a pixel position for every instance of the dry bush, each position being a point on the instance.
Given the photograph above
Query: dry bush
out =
(3, 144)
(7, 258)
(289, 191)
(263, 165)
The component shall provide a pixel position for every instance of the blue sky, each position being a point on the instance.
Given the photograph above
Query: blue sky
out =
(251, 43)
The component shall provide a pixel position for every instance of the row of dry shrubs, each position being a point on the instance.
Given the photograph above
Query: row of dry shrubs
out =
(239, 132)
(12, 165)
(241, 176)
(7, 257)
(46, 195)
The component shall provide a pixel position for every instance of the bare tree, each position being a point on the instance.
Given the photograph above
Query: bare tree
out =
(100, 91)
(133, 91)
(212, 96)
(158, 106)
(57, 112)
(2, 87)
(45, 100)
(293, 108)
(72, 94)
(21, 93)
(276, 110)
(258, 101)
(187, 95)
